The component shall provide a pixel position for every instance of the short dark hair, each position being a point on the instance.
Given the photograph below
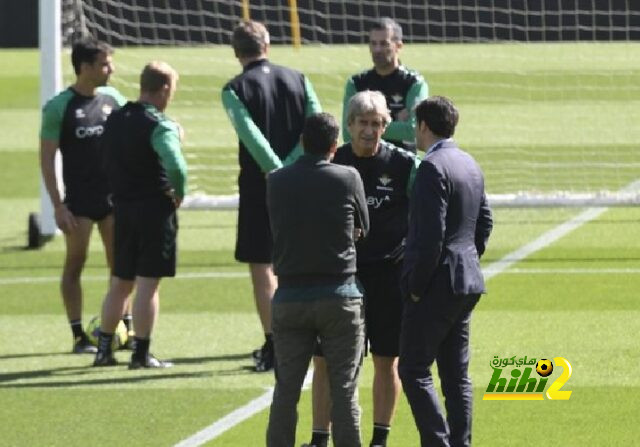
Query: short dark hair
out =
(388, 23)
(439, 114)
(320, 133)
(249, 38)
(86, 51)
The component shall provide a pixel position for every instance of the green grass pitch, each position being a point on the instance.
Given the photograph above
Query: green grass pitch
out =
(537, 117)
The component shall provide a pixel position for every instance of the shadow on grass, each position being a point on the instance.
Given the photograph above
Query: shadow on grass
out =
(207, 264)
(207, 359)
(141, 376)
(176, 360)
(241, 370)
(30, 355)
(80, 375)
(16, 248)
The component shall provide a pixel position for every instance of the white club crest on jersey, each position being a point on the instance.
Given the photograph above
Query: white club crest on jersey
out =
(385, 179)
(106, 109)
(80, 113)
(397, 98)
(265, 69)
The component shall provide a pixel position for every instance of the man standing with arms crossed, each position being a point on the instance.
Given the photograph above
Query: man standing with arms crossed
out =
(73, 122)
(317, 209)
(149, 175)
(387, 173)
(449, 226)
(403, 88)
(267, 105)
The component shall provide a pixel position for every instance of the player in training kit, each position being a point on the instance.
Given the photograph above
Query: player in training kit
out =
(148, 174)
(403, 88)
(387, 173)
(267, 105)
(73, 121)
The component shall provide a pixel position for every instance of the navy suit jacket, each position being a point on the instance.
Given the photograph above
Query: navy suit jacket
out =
(449, 222)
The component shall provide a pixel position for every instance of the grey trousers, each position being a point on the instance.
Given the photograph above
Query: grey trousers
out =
(339, 323)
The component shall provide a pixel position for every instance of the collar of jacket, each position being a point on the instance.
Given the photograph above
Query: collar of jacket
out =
(255, 63)
(444, 143)
(313, 158)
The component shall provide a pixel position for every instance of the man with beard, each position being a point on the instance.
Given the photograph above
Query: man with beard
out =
(403, 88)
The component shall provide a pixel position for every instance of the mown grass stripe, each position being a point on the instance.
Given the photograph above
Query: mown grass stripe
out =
(541, 242)
(262, 402)
(91, 278)
(572, 271)
(235, 417)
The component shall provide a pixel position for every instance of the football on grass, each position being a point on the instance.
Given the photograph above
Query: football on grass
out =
(119, 337)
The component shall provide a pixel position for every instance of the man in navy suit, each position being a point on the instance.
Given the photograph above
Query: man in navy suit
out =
(449, 226)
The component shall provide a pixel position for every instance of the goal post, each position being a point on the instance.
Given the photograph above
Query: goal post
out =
(50, 83)
(548, 91)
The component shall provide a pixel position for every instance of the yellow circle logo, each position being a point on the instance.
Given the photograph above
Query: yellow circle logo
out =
(544, 367)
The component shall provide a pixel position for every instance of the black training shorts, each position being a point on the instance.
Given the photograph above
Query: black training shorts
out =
(254, 241)
(145, 238)
(382, 307)
(92, 206)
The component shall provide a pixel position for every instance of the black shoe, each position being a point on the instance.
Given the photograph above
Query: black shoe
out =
(82, 345)
(263, 358)
(104, 359)
(149, 362)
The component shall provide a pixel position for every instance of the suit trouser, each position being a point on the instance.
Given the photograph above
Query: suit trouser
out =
(339, 323)
(436, 328)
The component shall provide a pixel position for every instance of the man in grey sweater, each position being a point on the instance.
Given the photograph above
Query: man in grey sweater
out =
(316, 210)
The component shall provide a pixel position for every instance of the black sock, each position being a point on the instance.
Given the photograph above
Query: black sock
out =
(319, 438)
(105, 340)
(127, 319)
(76, 328)
(141, 349)
(380, 433)
(268, 340)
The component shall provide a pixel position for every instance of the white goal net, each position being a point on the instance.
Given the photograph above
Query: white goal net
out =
(549, 91)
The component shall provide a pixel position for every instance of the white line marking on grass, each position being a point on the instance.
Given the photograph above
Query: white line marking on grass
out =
(192, 275)
(235, 417)
(572, 271)
(541, 242)
(262, 402)
(550, 237)
(214, 275)
(490, 271)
